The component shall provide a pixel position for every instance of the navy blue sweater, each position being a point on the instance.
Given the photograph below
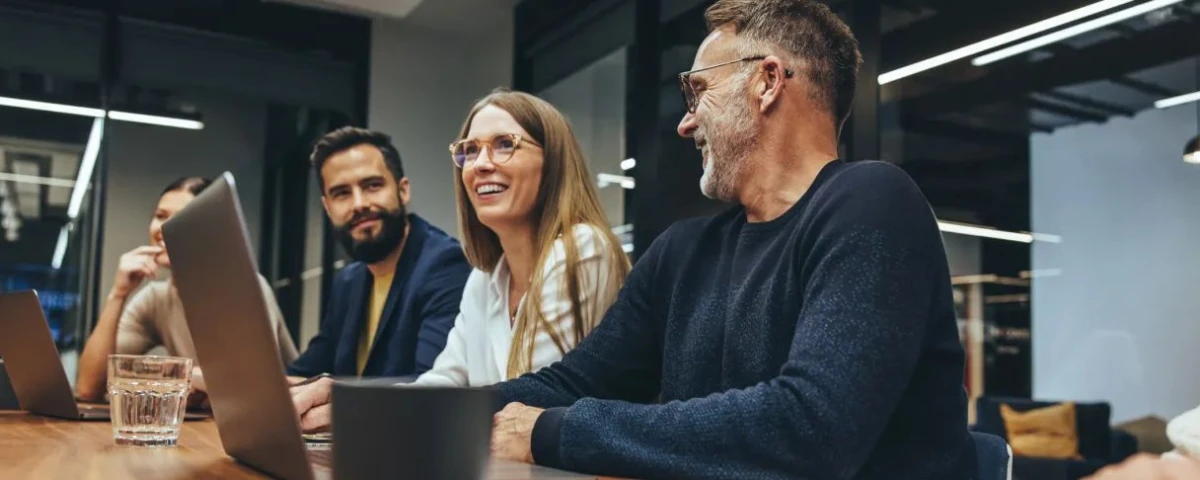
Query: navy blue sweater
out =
(821, 344)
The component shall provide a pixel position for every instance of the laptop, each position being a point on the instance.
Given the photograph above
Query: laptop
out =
(34, 368)
(214, 271)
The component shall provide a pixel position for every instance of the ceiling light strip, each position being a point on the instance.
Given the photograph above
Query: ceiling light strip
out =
(60, 248)
(1179, 100)
(86, 165)
(988, 232)
(1073, 31)
(156, 120)
(999, 40)
(47, 181)
(98, 113)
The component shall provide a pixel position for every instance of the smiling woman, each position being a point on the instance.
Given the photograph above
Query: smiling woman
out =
(135, 323)
(547, 265)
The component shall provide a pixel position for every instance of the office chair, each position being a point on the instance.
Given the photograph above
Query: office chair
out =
(994, 457)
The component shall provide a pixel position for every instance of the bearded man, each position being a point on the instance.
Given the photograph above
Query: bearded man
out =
(391, 309)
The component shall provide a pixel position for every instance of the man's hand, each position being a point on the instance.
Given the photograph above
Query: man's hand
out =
(314, 404)
(512, 432)
(1152, 467)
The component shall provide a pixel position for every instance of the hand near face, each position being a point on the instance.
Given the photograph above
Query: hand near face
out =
(512, 432)
(135, 267)
(314, 404)
(1151, 467)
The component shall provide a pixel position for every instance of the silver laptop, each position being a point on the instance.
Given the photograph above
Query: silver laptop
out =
(34, 367)
(214, 270)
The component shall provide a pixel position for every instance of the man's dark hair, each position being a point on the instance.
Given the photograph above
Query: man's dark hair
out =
(192, 185)
(809, 32)
(347, 137)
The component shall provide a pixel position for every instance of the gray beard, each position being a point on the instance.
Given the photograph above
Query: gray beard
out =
(729, 144)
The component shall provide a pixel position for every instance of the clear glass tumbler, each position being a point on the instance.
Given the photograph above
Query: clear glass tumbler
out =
(148, 397)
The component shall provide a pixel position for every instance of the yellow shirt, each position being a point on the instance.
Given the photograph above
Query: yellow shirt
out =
(366, 338)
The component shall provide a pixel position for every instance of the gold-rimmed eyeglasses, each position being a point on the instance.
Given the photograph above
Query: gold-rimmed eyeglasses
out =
(464, 152)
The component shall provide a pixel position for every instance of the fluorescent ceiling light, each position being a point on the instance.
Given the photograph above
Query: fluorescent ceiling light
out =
(98, 113)
(60, 249)
(998, 40)
(628, 164)
(988, 232)
(1069, 32)
(606, 179)
(47, 181)
(86, 165)
(1176, 101)
(51, 107)
(156, 120)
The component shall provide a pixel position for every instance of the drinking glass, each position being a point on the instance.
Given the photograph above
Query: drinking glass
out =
(148, 397)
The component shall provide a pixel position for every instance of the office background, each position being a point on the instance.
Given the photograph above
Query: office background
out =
(1067, 207)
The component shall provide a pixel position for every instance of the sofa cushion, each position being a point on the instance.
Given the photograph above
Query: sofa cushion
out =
(1091, 421)
(1047, 432)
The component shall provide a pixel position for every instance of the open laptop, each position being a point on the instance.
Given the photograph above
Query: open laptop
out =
(214, 271)
(34, 367)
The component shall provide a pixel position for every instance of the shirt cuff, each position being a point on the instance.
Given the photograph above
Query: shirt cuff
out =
(545, 441)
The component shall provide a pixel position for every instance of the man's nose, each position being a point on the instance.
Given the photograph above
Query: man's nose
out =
(687, 125)
(360, 200)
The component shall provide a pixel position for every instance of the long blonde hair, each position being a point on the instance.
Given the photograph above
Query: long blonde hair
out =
(566, 198)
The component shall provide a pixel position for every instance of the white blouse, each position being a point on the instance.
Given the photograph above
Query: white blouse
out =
(477, 348)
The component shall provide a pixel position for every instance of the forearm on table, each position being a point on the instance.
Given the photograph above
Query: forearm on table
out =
(766, 431)
(93, 361)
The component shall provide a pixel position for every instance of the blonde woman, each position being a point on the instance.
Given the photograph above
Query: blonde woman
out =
(547, 265)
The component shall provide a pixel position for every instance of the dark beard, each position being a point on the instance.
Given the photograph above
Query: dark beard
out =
(391, 233)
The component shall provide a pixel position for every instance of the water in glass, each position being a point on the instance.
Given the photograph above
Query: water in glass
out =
(148, 397)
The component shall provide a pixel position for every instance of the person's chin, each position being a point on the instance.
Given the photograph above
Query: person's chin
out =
(366, 233)
(498, 220)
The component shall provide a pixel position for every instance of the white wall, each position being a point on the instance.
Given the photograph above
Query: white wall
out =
(423, 83)
(143, 159)
(1122, 321)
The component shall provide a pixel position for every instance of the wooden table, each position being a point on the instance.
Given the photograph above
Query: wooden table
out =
(46, 448)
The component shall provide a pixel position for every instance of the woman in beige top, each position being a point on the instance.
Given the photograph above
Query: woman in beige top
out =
(153, 317)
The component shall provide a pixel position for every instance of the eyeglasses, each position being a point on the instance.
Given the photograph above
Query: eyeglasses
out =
(464, 152)
(691, 99)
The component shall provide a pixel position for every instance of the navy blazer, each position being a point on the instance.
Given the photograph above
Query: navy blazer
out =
(420, 310)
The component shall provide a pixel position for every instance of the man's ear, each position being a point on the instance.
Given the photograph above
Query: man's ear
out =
(405, 192)
(773, 77)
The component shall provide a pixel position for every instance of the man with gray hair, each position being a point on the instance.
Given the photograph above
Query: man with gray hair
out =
(807, 332)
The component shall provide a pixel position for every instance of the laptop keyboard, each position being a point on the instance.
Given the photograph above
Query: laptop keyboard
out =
(321, 456)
